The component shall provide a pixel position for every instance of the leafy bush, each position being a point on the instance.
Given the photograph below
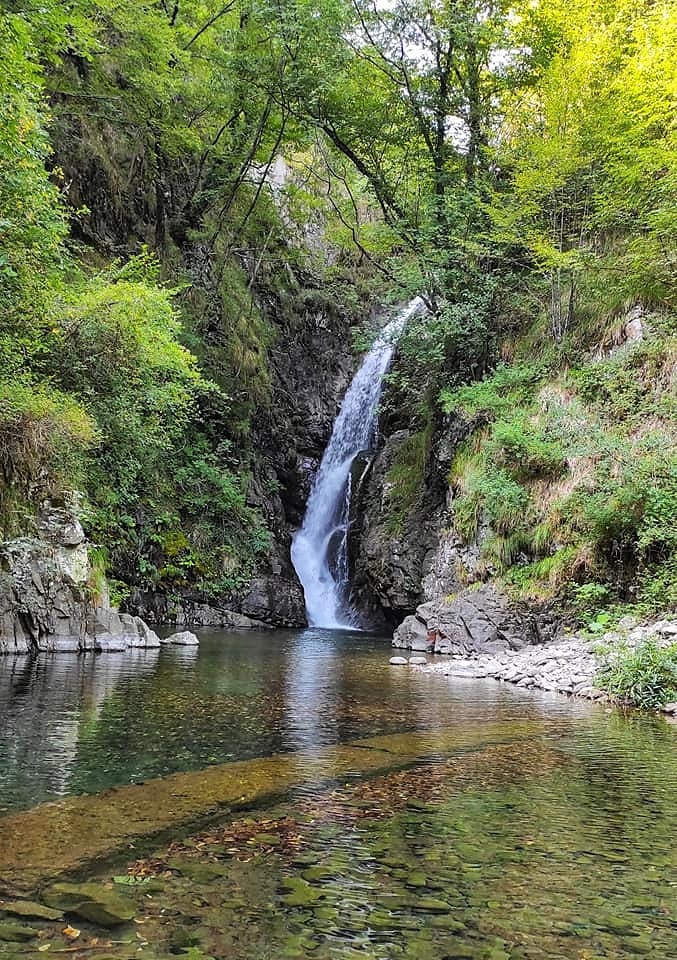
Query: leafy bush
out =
(44, 438)
(508, 387)
(645, 676)
(526, 451)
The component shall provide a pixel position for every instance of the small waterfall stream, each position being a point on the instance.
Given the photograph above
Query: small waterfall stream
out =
(320, 548)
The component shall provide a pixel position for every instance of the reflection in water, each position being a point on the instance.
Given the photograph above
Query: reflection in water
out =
(312, 688)
(45, 705)
(73, 724)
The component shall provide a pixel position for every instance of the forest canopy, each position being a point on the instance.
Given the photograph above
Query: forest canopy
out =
(511, 162)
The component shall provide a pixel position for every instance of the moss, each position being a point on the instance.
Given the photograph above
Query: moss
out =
(405, 478)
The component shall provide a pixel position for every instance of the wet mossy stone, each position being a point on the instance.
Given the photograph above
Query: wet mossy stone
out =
(16, 932)
(299, 892)
(267, 839)
(441, 922)
(432, 905)
(28, 908)
(313, 874)
(199, 872)
(92, 902)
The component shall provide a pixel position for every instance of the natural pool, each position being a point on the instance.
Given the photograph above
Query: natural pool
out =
(392, 814)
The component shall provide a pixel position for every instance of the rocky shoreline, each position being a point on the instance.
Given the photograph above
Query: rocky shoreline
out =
(568, 665)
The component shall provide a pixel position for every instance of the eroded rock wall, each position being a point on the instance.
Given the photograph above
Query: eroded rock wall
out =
(47, 599)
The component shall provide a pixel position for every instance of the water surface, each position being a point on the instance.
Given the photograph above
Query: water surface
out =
(509, 825)
(79, 724)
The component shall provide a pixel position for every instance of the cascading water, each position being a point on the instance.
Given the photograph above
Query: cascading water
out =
(320, 548)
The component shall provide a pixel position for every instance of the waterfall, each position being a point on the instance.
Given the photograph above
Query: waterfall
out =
(320, 548)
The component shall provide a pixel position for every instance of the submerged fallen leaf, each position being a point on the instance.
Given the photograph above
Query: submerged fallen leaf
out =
(71, 933)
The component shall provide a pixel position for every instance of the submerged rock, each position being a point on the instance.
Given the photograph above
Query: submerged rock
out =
(29, 908)
(15, 932)
(92, 902)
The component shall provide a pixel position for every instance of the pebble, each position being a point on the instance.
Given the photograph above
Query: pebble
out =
(398, 661)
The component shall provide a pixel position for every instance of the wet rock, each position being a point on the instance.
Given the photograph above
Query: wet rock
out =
(29, 908)
(479, 620)
(199, 872)
(413, 634)
(184, 638)
(15, 932)
(92, 902)
(300, 893)
(398, 661)
(417, 661)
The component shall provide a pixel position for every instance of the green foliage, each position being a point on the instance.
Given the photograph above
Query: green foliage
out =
(44, 438)
(493, 494)
(404, 480)
(510, 385)
(645, 676)
(524, 449)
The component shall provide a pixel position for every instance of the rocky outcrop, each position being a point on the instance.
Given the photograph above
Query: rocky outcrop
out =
(48, 601)
(480, 620)
(184, 611)
(568, 665)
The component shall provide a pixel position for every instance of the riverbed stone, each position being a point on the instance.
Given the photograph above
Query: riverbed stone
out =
(31, 909)
(398, 661)
(16, 932)
(91, 901)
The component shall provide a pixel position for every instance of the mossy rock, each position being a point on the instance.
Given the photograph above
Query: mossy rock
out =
(447, 923)
(267, 839)
(417, 880)
(300, 892)
(432, 905)
(313, 874)
(15, 932)
(92, 902)
(29, 908)
(199, 872)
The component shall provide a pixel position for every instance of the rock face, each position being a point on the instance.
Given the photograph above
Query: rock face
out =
(568, 665)
(477, 621)
(47, 602)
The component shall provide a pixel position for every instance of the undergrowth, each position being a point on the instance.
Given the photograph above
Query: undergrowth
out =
(645, 676)
(570, 485)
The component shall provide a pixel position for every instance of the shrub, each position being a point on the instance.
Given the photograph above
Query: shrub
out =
(645, 676)
(44, 439)
(524, 449)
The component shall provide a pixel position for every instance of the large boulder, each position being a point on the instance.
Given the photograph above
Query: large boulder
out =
(480, 620)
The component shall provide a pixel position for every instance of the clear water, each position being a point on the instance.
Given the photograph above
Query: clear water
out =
(72, 724)
(549, 834)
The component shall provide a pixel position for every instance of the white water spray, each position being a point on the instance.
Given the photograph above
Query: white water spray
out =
(320, 548)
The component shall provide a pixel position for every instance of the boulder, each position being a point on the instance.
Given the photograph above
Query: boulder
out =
(184, 638)
(480, 620)
(47, 601)
(92, 902)
(413, 634)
